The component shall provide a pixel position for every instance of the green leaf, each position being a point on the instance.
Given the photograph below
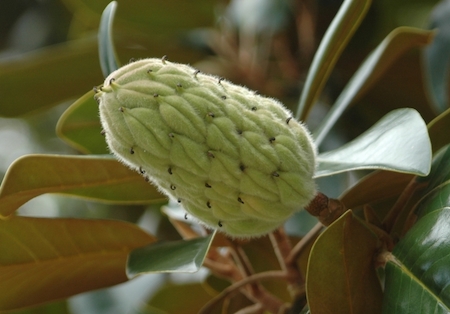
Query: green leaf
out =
(48, 76)
(388, 51)
(43, 260)
(106, 50)
(398, 142)
(337, 36)
(341, 277)
(380, 185)
(98, 178)
(185, 256)
(436, 58)
(417, 269)
(80, 126)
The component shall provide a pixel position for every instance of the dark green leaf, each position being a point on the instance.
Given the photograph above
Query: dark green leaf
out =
(333, 43)
(107, 53)
(417, 271)
(184, 256)
(398, 142)
(341, 277)
(388, 51)
(98, 178)
(80, 126)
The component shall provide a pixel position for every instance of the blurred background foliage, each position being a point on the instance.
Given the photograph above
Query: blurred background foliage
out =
(49, 58)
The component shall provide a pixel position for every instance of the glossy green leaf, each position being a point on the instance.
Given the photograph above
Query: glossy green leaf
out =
(80, 126)
(388, 51)
(43, 260)
(398, 142)
(436, 58)
(341, 276)
(48, 76)
(185, 256)
(417, 271)
(98, 178)
(106, 50)
(336, 38)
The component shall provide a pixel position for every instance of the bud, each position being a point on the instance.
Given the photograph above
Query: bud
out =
(235, 160)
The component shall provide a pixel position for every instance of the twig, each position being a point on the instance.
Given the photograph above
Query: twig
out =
(282, 247)
(234, 288)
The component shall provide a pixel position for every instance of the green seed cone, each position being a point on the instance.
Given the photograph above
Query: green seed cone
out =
(235, 160)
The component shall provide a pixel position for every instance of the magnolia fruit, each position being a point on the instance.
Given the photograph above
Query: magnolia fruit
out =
(235, 160)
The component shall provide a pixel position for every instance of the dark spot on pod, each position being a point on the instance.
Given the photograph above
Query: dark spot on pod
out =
(208, 204)
(147, 179)
(272, 139)
(169, 170)
(223, 97)
(221, 79)
(179, 200)
(185, 216)
(196, 72)
(164, 59)
(207, 185)
(288, 119)
(179, 85)
(149, 71)
(220, 224)
(142, 171)
(121, 109)
(211, 155)
(275, 174)
(102, 132)
(240, 200)
(210, 114)
(132, 60)
(155, 95)
(111, 80)
(253, 108)
(239, 132)
(131, 151)
(242, 167)
(173, 187)
(171, 135)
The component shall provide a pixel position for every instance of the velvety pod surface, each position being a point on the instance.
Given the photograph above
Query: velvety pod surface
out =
(235, 160)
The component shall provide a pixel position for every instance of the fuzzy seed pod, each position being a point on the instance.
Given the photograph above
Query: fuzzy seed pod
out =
(235, 160)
